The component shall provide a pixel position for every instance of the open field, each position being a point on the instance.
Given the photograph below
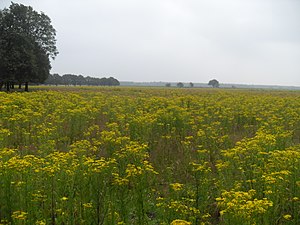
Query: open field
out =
(149, 156)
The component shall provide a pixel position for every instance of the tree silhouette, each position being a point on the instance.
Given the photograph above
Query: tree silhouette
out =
(180, 85)
(214, 83)
(72, 79)
(27, 40)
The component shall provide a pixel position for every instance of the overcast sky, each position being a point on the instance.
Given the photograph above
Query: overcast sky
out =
(234, 41)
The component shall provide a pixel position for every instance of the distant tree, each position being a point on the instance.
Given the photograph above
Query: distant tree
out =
(107, 81)
(49, 80)
(180, 85)
(89, 80)
(96, 81)
(191, 84)
(70, 79)
(112, 82)
(102, 81)
(168, 84)
(57, 79)
(27, 40)
(80, 80)
(65, 80)
(214, 83)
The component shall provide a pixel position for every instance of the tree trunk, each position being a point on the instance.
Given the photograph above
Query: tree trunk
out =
(1, 85)
(7, 86)
(26, 86)
(12, 85)
(20, 85)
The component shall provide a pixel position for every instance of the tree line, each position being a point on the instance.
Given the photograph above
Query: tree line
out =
(72, 79)
(214, 83)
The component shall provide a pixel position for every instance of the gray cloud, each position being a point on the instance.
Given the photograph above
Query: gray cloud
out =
(237, 41)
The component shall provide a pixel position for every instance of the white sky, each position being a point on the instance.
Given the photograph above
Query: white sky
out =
(234, 41)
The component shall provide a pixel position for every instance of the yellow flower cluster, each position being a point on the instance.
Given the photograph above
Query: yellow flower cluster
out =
(180, 222)
(242, 204)
(19, 215)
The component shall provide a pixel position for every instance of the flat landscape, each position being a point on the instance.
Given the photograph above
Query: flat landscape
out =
(137, 155)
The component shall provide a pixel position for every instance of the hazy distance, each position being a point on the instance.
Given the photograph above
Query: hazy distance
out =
(234, 41)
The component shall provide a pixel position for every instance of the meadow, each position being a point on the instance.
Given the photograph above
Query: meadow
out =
(150, 156)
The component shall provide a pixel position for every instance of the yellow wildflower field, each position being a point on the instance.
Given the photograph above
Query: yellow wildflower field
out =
(121, 155)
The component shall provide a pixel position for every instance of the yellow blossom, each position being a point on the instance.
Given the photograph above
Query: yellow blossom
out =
(180, 222)
(176, 186)
(19, 215)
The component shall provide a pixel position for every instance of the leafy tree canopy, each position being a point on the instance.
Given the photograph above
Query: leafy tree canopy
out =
(180, 85)
(214, 83)
(22, 20)
(27, 41)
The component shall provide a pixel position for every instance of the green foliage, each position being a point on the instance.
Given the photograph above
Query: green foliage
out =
(214, 83)
(71, 79)
(180, 85)
(27, 40)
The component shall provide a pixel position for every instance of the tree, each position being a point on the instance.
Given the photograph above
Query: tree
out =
(191, 84)
(27, 41)
(180, 85)
(57, 79)
(69, 79)
(214, 83)
(81, 80)
(112, 82)
(168, 84)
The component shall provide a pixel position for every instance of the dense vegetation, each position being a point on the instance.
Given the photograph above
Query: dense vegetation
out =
(27, 42)
(72, 79)
(150, 156)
